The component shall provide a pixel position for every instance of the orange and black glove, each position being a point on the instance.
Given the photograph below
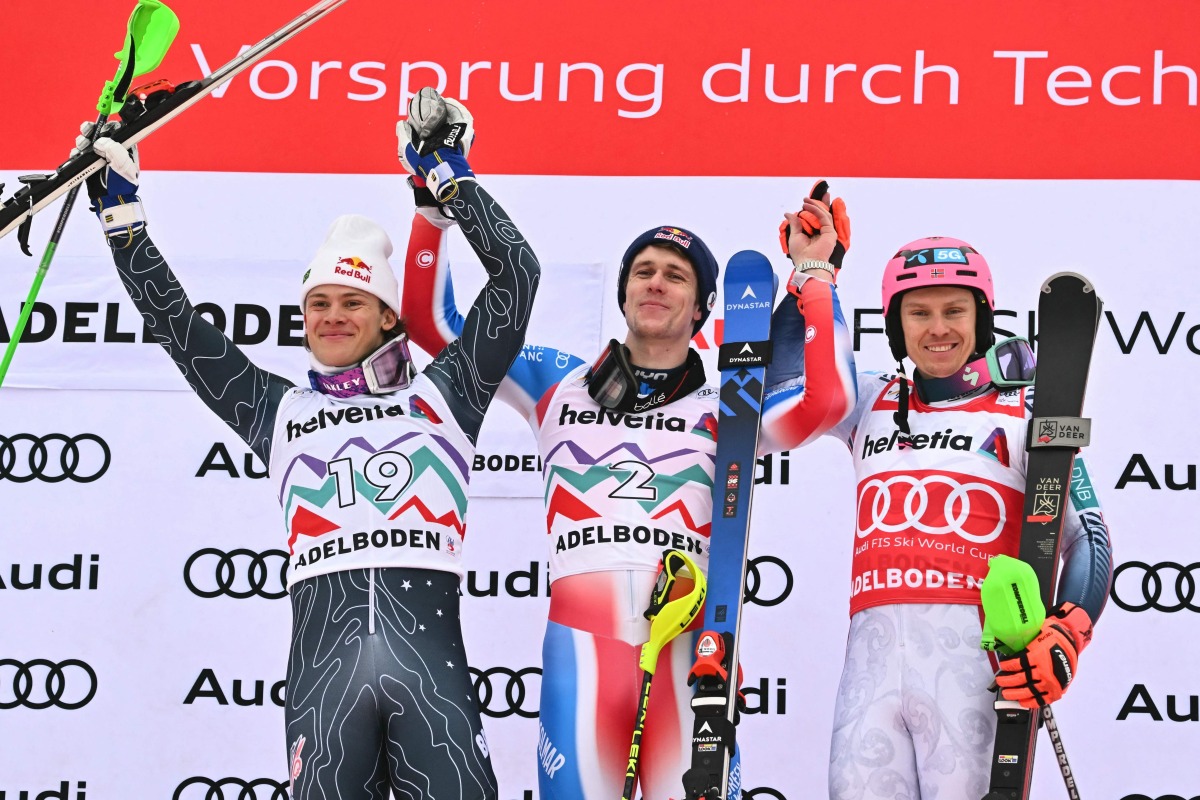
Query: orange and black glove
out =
(812, 226)
(1040, 674)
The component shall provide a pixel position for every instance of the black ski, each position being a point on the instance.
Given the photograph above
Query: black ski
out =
(749, 290)
(42, 190)
(1068, 318)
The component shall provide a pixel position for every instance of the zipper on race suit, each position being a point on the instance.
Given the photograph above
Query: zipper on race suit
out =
(371, 600)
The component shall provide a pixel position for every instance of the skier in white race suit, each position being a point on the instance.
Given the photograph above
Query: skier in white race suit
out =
(371, 462)
(628, 444)
(940, 466)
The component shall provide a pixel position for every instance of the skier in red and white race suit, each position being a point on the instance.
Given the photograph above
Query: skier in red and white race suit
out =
(940, 467)
(628, 445)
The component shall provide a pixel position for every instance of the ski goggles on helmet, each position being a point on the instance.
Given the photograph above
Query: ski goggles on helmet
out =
(1011, 363)
(390, 368)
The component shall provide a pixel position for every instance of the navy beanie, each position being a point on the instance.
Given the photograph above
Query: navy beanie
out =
(691, 246)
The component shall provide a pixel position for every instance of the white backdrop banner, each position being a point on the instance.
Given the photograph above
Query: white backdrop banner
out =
(142, 551)
(144, 627)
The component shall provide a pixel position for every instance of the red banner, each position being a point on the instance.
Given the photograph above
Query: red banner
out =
(938, 88)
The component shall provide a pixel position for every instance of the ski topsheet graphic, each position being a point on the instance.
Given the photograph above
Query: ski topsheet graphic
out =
(1068, 318)
(749, 292)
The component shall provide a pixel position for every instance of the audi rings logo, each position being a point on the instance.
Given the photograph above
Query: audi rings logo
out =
(230, 789)
(1160, 797)
(42, 683)
(425, 259)
(768, 581)
(503, 692)
(932, 504)
(1165, 586)
(763, 792)
(53, 458)
(240, 573)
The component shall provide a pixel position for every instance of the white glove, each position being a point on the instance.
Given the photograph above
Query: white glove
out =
(120, 161)
(434, 122)
(113, 190)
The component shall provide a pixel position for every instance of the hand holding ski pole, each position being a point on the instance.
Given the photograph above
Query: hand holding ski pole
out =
(113, 190)
(1039, 652)
(149, 32)
(1070, 310)
(818, 235)
(434, 142)
(1039, 674)
(668, 618)
(42, 190)
(1036, 664)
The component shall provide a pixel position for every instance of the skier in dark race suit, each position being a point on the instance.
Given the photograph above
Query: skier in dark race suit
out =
(371, 461)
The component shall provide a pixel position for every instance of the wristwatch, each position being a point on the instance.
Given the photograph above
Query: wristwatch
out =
(813, 263)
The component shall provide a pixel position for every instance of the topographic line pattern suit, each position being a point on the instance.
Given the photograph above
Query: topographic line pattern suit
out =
(379, 694)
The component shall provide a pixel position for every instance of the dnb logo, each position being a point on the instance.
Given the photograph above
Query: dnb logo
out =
(1165, 586)
(503, 692)
(926, 502)
(239, 574)
(231, 789)
(41, 683)
(53, 458)
(769, 581)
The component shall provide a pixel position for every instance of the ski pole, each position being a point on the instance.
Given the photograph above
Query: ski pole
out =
(1013, 615)
(668, 618)
(1064, 766)
(149, 33)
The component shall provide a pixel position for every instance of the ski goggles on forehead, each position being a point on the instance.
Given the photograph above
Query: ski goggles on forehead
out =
(1011, 363)
(390, 368)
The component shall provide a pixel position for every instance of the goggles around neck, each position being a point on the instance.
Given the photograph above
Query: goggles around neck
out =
(613, 383)
(1008, 364)
(388, 369)
(1011, 363)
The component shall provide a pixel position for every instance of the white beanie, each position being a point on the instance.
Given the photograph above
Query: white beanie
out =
(354, 254)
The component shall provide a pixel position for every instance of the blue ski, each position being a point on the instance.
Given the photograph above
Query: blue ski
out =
(749, 290)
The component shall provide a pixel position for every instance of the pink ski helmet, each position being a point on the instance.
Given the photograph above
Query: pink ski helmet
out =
(937, 261)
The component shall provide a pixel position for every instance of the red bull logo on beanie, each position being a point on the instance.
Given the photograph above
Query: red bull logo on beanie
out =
(354, 267)
(675, 236)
